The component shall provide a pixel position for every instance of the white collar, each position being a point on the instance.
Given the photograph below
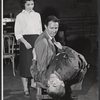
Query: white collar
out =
(49, 36)
(27, 12)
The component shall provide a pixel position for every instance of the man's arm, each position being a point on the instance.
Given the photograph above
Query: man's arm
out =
(41, 54)
(33, 68)
(66, 48)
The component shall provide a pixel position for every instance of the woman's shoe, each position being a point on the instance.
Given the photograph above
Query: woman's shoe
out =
(27, 94)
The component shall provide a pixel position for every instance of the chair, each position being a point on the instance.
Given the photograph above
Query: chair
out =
(40, 95)
(8, 49)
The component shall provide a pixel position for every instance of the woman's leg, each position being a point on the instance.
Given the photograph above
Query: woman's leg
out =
(25, 83)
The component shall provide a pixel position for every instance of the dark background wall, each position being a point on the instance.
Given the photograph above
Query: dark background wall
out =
(79, 18)
(61, 6)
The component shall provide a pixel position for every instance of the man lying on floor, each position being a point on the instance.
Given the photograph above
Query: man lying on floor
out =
(64, 74)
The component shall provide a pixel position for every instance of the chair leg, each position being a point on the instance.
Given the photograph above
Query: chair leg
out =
(39, 92)
(13, 65)
(41, 96)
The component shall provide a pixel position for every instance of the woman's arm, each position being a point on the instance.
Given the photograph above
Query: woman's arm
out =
(40, 25)
(18, 31)
(27, 45)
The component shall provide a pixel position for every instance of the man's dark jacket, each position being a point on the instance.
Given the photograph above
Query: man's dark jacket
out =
(69, 65)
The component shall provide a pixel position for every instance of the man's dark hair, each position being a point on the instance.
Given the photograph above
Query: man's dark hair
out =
(22, 3)
(51, 18)
(57, 95)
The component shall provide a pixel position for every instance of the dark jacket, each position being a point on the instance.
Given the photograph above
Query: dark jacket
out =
(69, 66)
(45, 51)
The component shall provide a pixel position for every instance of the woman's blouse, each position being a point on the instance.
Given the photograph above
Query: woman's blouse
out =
(27, 24)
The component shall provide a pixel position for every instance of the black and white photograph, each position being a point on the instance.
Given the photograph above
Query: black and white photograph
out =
(50, 49)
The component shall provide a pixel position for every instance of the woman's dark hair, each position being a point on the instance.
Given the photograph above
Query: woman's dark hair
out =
(51, 18)
(22, 3)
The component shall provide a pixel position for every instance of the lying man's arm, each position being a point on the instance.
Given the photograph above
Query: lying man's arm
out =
(66, 49)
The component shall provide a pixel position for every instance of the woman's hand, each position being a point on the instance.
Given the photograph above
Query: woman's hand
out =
(27, 45)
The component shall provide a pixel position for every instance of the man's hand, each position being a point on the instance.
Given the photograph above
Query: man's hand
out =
(82, 57)
(58, 45)
(34, 54)
(33, 68)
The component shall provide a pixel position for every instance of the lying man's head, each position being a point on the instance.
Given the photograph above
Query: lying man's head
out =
(56, 88)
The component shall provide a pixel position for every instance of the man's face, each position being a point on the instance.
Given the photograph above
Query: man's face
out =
(29, 5)
(52, 28)
(54, 83)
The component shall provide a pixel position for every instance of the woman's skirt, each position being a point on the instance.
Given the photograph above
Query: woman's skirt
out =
(26, 56)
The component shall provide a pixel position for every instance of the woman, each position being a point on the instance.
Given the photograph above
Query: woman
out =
(27, 28)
